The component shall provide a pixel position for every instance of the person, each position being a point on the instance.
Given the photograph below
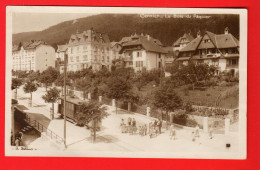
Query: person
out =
(193, 136)
(20, 138)
(129, 121)
(145, 129)
(197, 135)
(172, 131)
(16, 143)
(122, 122)
(133, 122)
(159, 124)
(210, 133)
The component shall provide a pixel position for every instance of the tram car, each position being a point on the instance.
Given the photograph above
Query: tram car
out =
(72, 109)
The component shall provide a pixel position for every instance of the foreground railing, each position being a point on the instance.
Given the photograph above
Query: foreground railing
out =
(43, 129)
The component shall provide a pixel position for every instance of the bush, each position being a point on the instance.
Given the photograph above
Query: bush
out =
(182, 118)
(186, 92)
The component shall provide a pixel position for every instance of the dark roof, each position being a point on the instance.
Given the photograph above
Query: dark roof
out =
(27, 45)
(88, 36)
(218, 41)
(188, 38)
(136, 36)
(192, 46)
(148, 43)
(74, 100)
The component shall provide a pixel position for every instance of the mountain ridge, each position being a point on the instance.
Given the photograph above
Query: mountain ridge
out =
(117, 26)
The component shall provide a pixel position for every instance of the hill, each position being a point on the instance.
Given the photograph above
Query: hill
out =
(167, 30)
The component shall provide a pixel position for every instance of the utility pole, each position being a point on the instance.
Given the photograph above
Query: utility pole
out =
(65, 94)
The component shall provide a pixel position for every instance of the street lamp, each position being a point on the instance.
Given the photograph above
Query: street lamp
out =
(65, 89)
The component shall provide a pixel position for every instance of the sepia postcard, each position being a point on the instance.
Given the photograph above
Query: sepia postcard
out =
(126, 82)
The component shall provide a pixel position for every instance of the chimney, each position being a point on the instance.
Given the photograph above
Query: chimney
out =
(198, 34)
(226, 30)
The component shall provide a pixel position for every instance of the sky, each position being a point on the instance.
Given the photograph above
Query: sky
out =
(25, 22)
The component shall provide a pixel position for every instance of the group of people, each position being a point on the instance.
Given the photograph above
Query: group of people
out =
(153, 128)
(17, 139)
(130, 127)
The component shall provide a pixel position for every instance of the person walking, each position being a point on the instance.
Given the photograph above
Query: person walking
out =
(172, 132)
(129, 121)
(197, 135)
(159, 124)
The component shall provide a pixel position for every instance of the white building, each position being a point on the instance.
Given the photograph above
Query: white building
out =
(88, 49)
(143, 52)
(220, 50)
(33, 55)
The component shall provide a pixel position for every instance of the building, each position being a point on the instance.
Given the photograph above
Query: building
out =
(60, 56)
(182, 42)
(143, 52)
(61, 51)
(220, 50)
(34, 55)
(88, 49)
(114, 51)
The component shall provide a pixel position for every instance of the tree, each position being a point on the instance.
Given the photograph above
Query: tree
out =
(48, 76)
(83, 84)
(51, 96)
(91, 112)
(16, 83)
(118, 88)
(30, 87)
(166, 99)
(193, 73)
(60, 81)
(33, 76)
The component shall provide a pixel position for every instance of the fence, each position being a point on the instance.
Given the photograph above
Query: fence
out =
(41, 128)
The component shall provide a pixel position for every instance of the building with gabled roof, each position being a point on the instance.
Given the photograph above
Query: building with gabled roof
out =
(221, 50)
(88, 49)
(33, 55)
(143, 52)
(181, 42)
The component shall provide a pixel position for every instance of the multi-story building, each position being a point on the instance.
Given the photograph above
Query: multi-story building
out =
(143, 52)
(114, 50)
(33, 55)
(88, 49)
(60, 56)
(181, 42)
(220, 50)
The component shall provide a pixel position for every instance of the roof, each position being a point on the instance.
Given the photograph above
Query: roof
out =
(188, 38)
(217, 41)
(148, 43)
(62, 48)
(192, 46)
(88, 36)
(136, 36)
(27, 45)
(74, 100)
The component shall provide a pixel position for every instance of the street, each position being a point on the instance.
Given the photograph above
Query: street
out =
(110, 137)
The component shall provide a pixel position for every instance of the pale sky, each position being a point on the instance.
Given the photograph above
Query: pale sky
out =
(25, 22)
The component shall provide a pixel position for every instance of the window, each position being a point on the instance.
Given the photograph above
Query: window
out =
(139, 63)
(138, 55)
(85, 47)
(234, 62)
(85, 57)
(107, 58)
(71, 59)
(77, 58)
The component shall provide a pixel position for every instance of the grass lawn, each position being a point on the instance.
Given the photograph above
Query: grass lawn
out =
(198, 97)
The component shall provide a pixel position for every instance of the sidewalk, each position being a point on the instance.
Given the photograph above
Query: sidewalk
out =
(110, 137)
